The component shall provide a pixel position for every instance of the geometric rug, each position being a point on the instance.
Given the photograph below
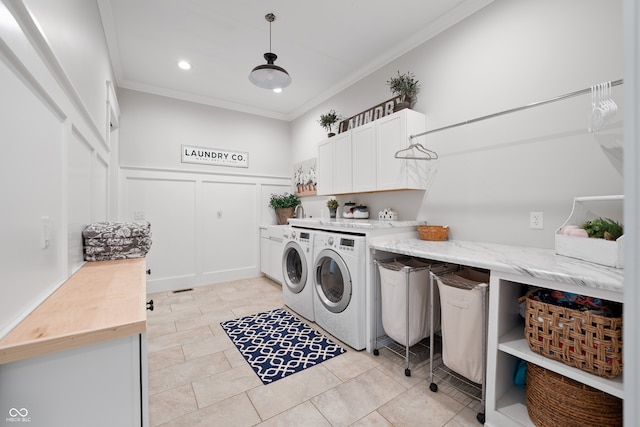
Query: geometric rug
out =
(277, 344)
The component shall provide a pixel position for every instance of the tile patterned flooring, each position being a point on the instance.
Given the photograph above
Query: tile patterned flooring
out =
(198, 378)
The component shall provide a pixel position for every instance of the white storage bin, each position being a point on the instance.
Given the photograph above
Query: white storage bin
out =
(461, 298)
(393, 288)
(599, 251)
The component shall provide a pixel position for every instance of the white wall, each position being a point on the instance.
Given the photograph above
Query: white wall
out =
(54, 163)
(492, 174)
(204, 219)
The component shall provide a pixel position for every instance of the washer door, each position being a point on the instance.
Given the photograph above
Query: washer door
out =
(332, 281)
(294, 267)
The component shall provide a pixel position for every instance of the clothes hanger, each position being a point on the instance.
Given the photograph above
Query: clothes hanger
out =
(427, 154)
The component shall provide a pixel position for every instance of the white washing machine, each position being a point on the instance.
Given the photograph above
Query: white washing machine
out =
(339, 280)
(297, 283)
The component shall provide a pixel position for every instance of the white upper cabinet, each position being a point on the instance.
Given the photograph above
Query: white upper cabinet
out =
(334, 165)
(325, 167)
(363, 146)
(363, 159)
(393, 133)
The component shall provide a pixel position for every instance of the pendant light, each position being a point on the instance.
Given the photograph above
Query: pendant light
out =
(269, 75)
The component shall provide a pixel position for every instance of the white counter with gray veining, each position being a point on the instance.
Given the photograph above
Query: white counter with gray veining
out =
(346, 223)
(523, 261)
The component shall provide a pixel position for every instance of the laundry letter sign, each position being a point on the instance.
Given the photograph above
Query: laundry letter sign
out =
(214, 156)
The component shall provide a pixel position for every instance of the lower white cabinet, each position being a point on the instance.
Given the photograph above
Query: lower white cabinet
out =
(101, 385)
(271, 248)
(505, 403)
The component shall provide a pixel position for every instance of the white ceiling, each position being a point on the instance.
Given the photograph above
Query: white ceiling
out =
(324, 45)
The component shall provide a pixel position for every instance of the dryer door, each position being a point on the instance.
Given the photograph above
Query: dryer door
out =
(294, 267)
(332, 281)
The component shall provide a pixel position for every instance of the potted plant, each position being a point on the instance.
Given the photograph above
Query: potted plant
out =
(284, 205)
(332, 204)
(328, 120)
(603, 228)
(407, 87)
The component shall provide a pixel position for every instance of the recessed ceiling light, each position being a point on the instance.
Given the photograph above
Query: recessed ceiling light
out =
(184, 65)
(277, 90)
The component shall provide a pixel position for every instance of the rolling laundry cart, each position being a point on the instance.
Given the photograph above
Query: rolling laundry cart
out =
(464, 302)
(407, 304)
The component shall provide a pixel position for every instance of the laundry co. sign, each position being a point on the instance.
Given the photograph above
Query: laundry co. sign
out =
(214, 156)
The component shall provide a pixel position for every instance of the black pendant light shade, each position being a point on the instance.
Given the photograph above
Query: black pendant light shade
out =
(269, 75)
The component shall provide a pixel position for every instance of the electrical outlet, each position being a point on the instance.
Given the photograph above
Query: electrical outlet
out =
(138, 215)
(536, 220)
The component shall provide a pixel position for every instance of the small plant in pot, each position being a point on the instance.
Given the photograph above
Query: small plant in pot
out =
(332, 204)
(284, 205)
(407, 87)
(328, 120)
(603, 228)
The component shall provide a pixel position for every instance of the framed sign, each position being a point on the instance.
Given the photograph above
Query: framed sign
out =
(214, 156)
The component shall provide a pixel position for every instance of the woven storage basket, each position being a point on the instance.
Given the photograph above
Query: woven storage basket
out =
(587, 341)
(433, 232)
(557, 401)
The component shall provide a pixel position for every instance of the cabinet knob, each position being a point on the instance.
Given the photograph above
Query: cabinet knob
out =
(149, 272)
(150, 305)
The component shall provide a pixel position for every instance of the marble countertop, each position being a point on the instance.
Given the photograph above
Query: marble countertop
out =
(523, 261)
(346, 223)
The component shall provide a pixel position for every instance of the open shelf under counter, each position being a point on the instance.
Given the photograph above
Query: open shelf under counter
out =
(512, 405)
(514, 343)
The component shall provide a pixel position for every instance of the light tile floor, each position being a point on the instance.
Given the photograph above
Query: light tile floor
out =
(198, 378)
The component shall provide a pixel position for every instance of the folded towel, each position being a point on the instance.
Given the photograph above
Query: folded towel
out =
(117, 230)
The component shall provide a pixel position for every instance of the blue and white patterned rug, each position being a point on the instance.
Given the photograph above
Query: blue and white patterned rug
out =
(277, 344)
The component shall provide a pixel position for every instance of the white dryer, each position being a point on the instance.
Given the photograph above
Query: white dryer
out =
(297, 284)
(340, 285)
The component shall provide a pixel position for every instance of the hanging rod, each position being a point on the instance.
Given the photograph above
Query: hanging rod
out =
(513, 110)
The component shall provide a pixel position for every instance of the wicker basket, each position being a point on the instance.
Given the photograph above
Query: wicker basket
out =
(584, 340)
(433, 232)
(557, 401)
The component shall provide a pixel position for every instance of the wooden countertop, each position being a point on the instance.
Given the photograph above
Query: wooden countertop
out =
(103, 300)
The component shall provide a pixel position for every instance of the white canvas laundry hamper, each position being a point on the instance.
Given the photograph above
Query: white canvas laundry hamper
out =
(399, 278)
(464, 322)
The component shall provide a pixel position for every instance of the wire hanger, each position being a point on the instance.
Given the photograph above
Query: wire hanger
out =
(426, 153)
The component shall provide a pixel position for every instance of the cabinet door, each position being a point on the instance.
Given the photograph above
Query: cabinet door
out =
(277, 247)
(392, 137)
(342, 164)
(93, 385)
(325, 168)
(363, 141)
(265, 257)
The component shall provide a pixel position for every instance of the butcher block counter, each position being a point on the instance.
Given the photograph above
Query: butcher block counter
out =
(102, 301)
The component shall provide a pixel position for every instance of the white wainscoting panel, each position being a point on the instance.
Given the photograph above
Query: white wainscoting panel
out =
(30, 188)
(100, 193)
(227, 242)
(79, 196)
(205, 226)
(170, 207)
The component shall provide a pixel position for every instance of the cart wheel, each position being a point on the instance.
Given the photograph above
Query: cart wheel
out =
(376, 352)
(433, 387)
(407, 372)
(480, 417)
